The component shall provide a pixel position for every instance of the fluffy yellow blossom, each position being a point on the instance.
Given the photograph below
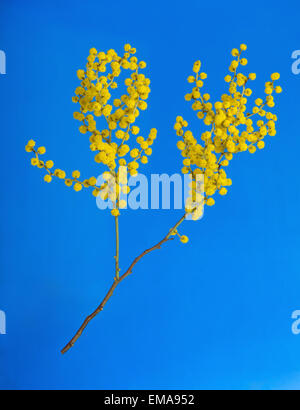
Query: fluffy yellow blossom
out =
(41, 150)
(48, 178)
(76, 174)
(184, 239)
(229, 127)
(114, 144)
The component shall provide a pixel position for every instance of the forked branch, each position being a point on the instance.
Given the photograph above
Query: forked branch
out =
(117, 281)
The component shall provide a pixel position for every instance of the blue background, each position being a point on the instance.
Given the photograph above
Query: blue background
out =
(213, 314)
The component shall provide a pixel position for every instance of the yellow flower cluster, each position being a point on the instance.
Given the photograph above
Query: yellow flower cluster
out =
(59, 173)
(113, 145)
(231, 128)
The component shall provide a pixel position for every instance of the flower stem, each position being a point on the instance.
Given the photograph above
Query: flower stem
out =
(118, 280)
(117, 257)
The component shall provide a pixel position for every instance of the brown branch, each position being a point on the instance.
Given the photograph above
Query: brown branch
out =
(117, 281)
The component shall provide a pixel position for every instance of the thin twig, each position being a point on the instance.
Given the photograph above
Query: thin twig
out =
(117, 282)
(117, 257)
